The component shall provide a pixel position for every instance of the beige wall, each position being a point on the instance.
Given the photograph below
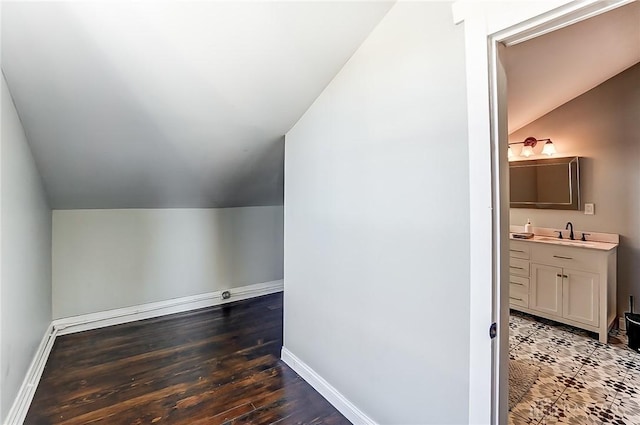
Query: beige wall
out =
(107, 259)
(603, 127)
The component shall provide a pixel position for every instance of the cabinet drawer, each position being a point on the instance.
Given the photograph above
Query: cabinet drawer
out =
(518, 291)
(519, 299)
(519, 267)
(561, 256)
(519, 281)
(519, 249)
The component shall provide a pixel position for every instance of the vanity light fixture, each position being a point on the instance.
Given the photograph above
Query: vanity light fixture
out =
(530, 143)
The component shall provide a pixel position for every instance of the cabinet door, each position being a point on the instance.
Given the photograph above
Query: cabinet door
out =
(546, 289)
(581, 296)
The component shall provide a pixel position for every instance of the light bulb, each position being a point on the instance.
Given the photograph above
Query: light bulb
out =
(510, 153)
(527, 151)
(549, 148)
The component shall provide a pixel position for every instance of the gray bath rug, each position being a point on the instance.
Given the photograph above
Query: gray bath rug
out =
(522, 376)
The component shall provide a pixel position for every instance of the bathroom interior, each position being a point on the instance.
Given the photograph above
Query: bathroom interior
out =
(574, 150)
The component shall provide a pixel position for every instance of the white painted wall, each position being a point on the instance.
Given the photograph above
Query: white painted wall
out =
(377, 221)
(106, 259)
(25, 277)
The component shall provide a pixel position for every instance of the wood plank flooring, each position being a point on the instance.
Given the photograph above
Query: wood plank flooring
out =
(218, 365)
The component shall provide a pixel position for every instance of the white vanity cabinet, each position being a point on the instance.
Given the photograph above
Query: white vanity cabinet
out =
(572, 285)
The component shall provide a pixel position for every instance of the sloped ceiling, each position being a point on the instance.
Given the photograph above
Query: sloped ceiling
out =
(181, 104)
(185, 104)
(548, 71)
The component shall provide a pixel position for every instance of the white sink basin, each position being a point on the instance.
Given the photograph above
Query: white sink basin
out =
(564, 241)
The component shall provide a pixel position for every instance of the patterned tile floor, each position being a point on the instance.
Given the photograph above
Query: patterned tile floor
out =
(581, 382)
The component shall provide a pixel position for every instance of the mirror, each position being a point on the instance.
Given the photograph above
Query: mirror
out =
(545, 183)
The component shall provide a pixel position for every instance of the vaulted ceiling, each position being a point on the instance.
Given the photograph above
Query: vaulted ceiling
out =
(171, 104)
(185, 104)
(548, 71)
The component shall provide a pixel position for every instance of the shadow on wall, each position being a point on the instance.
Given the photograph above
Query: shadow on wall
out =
(147, 160)
(260, 177)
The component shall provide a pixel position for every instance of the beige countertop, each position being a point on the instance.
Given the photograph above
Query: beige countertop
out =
(551, 240)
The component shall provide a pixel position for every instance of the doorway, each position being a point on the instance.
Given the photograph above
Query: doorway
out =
(488, 29)
(552, 348)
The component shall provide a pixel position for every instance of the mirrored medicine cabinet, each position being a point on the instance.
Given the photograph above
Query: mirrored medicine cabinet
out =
(552, 183)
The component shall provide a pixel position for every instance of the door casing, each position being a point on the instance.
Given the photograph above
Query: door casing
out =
(489, 27)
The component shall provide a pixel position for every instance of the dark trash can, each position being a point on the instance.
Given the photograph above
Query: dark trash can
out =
(633, 329)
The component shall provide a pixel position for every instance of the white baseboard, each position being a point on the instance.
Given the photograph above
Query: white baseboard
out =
(69, 325)
(161, 308)
(333, 396)
(21, 404)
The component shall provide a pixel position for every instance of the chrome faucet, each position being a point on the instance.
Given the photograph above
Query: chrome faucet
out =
(569, 226)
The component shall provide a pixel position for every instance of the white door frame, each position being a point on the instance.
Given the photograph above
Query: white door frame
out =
(489, 25)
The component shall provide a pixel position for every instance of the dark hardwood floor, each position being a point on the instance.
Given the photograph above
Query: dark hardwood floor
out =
(217, 365)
